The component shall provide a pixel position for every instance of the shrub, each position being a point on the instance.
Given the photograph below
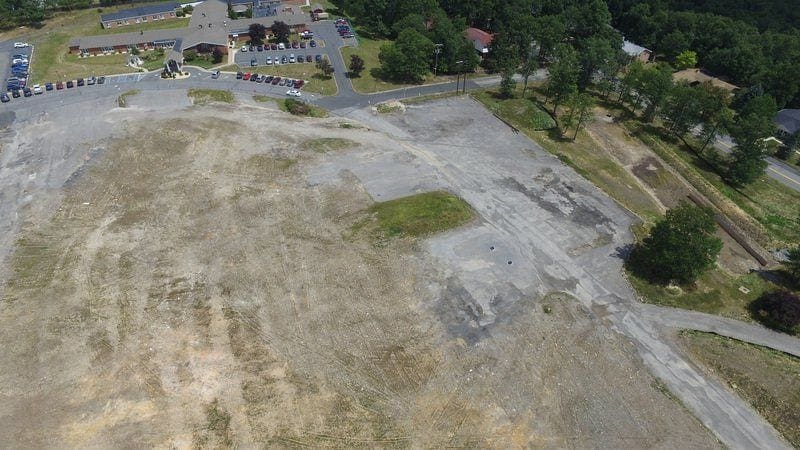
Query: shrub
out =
(779, 310)
(296, 107)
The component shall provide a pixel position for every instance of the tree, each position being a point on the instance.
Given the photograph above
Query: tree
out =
(681, 110)
(780, 310)
(216, 55)
(563, 81)
(408, 58)
(679, 248)
(752, 125)
(356, 65)
(507, 83)
(579, 112)
(685, 60)
(325, 67)
(280, 30)
(654, 85)
(257, 33)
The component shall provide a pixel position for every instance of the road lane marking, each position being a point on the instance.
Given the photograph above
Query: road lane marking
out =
(784, 176)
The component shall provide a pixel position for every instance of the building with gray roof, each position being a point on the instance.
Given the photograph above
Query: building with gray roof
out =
(140, 14)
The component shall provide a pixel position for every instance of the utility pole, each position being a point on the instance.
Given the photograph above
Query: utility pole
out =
(436, 50)
(460, 64)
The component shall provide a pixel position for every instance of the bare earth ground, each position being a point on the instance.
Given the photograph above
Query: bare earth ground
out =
(196, 283)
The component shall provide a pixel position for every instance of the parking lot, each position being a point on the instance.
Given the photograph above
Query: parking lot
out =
(14, 66)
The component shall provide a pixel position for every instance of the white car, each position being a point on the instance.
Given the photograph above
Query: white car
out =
(19, 61)
(20, 44)
(244, 48)
(37, 89)
(269, 60)
(293, 93)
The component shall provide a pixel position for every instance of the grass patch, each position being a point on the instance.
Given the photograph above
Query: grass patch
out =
(203, 96)
(715, 292)
(769, 380)
(325, 145)
(122, 100)
(263, 98)
(428, 98)
(417, 215)
(385, 108)
(581, 154)
(315, 81)
(520, 112)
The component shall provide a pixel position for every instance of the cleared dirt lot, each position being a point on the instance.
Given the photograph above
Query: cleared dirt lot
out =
(196, 282)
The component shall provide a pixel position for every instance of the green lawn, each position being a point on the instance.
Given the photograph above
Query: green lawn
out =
(315, 81)
(417, 215)
(767, 379)
(367, 82)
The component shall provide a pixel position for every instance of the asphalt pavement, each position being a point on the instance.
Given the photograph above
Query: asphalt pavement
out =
(776, 169)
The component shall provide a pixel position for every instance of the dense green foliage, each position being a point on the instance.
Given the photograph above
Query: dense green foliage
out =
(406, 59)
(679, 248)
(751, 42)
(779, 310)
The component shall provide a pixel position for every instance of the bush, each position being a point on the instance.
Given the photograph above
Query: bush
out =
(779, 310)
(180, 13)
(189, 55)
(188, 9)
(296, 107)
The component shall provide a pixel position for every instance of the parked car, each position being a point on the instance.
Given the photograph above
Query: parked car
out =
(293, 92)
(4, 98)
(295, 44)
(268, 79)
(260, 48)
(281, 46)
(239, 75)
(273, 46)
(15, 93)
(253, 62)
(276, 80)
(252, 48)
(91, 81)
(289, 82)
(302, 44)
(244, 48)
(298, 84)
(254, 77)
(282, 82)
(59, 85)
(48, 86)
(246, 77)
(318, 58)
(269, 60)
(27, 92)
(37, 89)
(101, 80)
(70, 84)
(291, 58)
(215, 75)
(312, 43)
(309, 58)
(19, 61)
(261, 78)
(20, 44)
(284, 59)
(81, 82)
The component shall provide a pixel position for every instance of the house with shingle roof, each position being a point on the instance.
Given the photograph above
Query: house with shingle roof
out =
(481, 40)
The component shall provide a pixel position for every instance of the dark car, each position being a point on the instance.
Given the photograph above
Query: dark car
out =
(268, 79)
(59, 85)
(252, 48)
(253, 62)
(318, 58)
(313, 43)
(4, 98)
(260, 48)
(239, 75)
(101, 80)
(284, 59)
(91, 81)
(302, 44)
(254, 77)
(15, 93)
(80, 82)
(70, 84)
(48, 86)
(27, 92)
(298, 84)
(295, 44)
(273, 46)
(309, 58)
(276, 80)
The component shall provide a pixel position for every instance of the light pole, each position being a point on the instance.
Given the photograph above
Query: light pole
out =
(436, 50)
(458, 74)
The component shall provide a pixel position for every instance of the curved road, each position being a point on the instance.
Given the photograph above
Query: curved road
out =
(732, 420)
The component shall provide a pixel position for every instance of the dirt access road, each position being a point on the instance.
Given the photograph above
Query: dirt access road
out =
(180, 277)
